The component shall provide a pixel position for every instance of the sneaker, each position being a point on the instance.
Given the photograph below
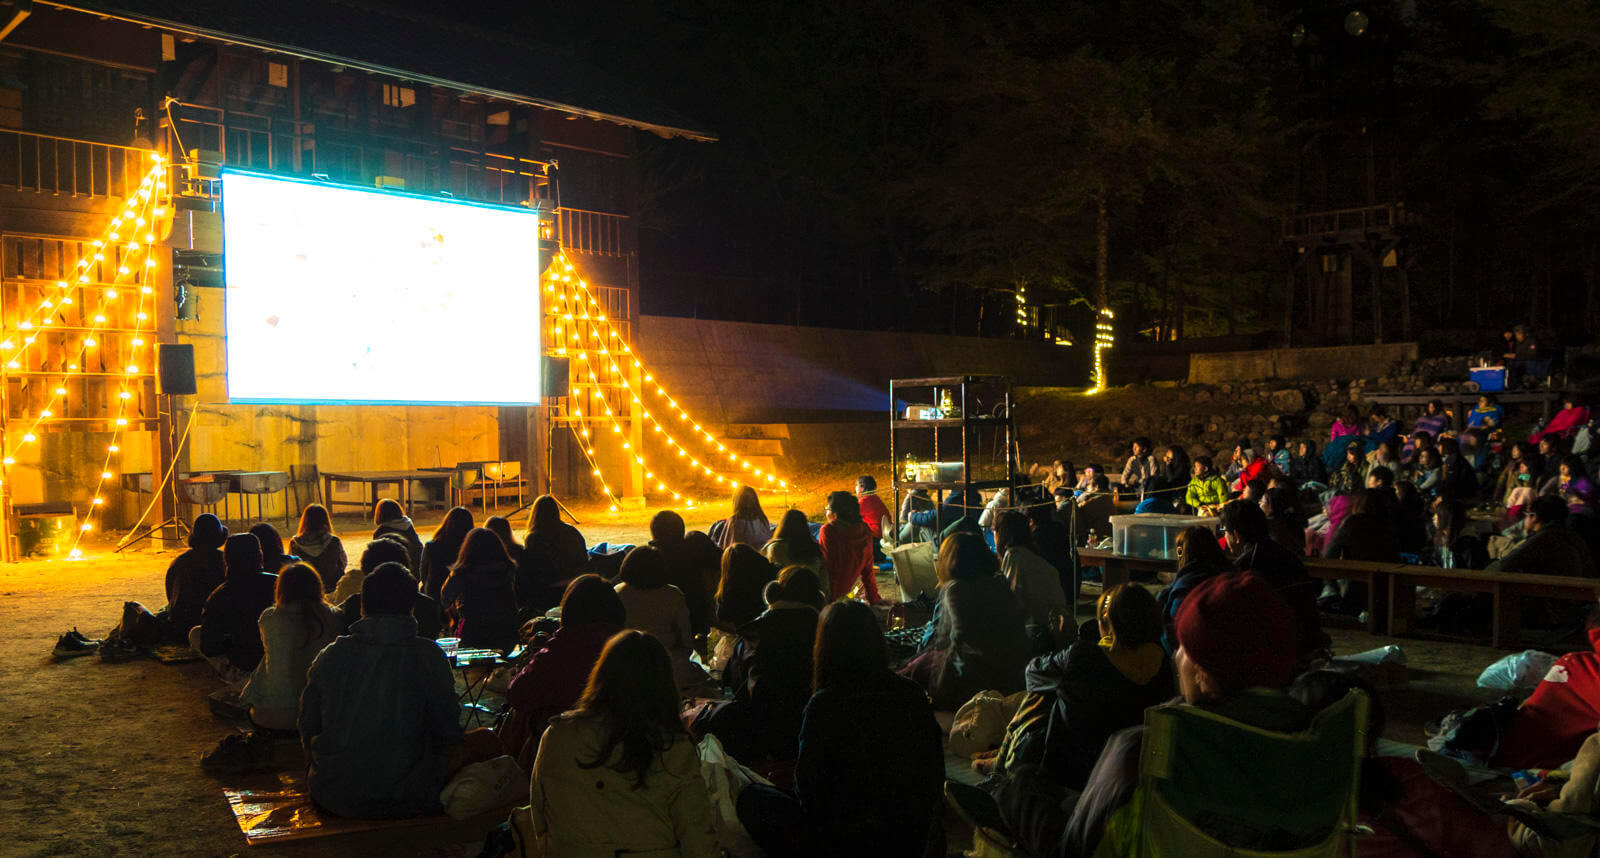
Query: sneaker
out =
(117, 651)
(72, 645)
(79, 636)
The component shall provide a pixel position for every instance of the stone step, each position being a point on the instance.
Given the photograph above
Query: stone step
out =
(779, 431)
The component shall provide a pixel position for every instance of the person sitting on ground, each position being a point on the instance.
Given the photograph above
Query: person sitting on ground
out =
(959, 511)
(1246, 465)
(442, 550)
(1305, 466)
(871, 761)
(1552, 724)
(1387, 455)
(1086, 481)
(1200, 559)
(873, 511)
(1410, 518)
(1176, 472)
(1474, 447)
(379, 716)
(1060, 476)
(1035, 583)
(273, 557)
(1235, 658)
(389, 517)
(847, 551)
(192, 576)
(1255, 491)
(481, 590)
(1487, 415)
(501, 527)
(1382, 428)
(1565, 425)
(618, 775)
(1284, 521)
(1520, 492)
(1569, 468)
(1347, 423)
(1141, 464)
(1278, 454)
(653, 605)
(1052, 542)
(693, 566)
(1102, 683)
(744, 580)
(389, 549)
(1380, 477)
(1435, 421)
(293, 630)
(1550, 452)
(1207, 492)
(228, 635)
(1551, 547)
(978, 638)
(1352, 476)
(316, 543)
(1416, 444)
(1245, 530)
(553, 553)
(746, 522)
(770, 673)
(793, 545)
(1428, 473)
(554, 677)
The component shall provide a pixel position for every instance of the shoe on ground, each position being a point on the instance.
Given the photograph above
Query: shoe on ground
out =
(72, 645)
(117, 651)
(80, 636)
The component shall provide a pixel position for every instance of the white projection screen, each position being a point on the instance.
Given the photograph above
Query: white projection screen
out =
(344, 295)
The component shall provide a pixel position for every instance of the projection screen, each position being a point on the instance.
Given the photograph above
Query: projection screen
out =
(337, 294)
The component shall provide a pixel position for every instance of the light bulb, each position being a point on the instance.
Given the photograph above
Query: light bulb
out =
(111, 294)
(29, 438)
(47, 414)
(98, 501)
(86, 527)
(122, 421)
(125, 395)
(105, 475)
(61, 391)
(113, 448)
(9, 461)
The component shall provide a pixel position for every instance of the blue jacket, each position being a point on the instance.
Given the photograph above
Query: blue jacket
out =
(378, 716)
(956, 505)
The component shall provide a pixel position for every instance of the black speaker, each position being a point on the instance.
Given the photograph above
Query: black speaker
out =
(555, 377)
(175, 369)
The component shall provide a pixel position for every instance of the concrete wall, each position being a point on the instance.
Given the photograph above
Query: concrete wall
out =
(1316, 363)
(744, 372)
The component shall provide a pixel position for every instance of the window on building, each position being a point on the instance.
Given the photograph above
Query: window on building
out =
(278, 74)
(395, 95)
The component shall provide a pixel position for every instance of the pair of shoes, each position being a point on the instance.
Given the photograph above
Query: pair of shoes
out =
(73, 644)
(116, 651)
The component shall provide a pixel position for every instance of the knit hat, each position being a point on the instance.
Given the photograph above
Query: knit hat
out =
(208, 532)
(1240, 631)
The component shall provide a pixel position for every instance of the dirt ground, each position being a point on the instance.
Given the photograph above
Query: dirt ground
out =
(103, 759)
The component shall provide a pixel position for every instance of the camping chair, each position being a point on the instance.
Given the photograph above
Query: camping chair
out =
(1199, 769)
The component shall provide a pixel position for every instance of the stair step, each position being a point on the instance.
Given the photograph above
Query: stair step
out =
(775, 431)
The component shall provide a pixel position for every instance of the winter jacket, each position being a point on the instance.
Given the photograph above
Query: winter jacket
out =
(1136, 470)
(1562, 712)
(871, 766)
(847, 557)
(1190, 576)
(425, 611)
(875, 514)
(291, 638)
(1209, 490)
(580, 810)
(1307, 469)
(325, 553)
(1552, 550)
(982, 635)
(1564, 425)
(190, 579)
(1036, 584)
(408, 533)
(754, 532)
(1492, 417)
(770, 672)
(663, 612)
(694, 565)
(549, 561)
(378, 717)
(1341, 429)
(228, 623)
(1098, 689)
(550, 684)
(1257, 468)
(485, 598)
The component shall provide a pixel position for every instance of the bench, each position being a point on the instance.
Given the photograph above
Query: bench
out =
(1507, 588)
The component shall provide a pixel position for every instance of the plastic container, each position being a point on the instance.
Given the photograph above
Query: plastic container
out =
(941, 472)
(1490, 379)
(1153, 535)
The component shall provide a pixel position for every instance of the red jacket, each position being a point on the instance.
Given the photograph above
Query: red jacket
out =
(1257, 468)
(549, 685)
(1551, 725)
(875, 514)
(1437, 817)
(847, 553)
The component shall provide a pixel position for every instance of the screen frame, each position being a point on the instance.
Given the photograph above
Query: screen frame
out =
(534, 245)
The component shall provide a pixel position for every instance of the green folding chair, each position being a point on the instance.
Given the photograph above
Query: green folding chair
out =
(1213, 787)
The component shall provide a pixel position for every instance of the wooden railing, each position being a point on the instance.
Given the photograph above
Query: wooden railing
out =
(64, 167)
(1336, 221)
(597, 233)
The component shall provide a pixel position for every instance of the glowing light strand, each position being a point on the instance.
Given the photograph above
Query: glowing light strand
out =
(1104, 337)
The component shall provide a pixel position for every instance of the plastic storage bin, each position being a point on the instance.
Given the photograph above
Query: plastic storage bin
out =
(1152, 535)
(1490, 379)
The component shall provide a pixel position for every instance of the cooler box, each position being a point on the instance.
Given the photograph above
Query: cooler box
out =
(1490, 379)
(1153, 535)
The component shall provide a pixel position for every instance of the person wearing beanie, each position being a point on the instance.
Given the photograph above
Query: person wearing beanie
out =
(1249, 539)
(770, 673)
(192, 576)
(1236, 644)
(229, 635)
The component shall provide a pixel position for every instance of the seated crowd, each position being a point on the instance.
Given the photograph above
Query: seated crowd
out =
(771, 639)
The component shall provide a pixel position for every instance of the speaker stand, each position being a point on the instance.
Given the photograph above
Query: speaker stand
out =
(152, 532)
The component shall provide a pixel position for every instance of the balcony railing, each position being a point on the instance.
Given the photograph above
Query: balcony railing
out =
(64, 167)
(1343, 221)
(597, 233)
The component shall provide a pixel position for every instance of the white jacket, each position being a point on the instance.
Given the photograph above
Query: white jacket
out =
(291, 640)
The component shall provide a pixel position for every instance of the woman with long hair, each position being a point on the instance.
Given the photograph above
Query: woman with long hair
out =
(443, 548)
(389, 517)
(746, 523)
(656, 606)
(870, 768)
(618, 774)
(792, 545)
(1305, 466)
(847, 550)
(481, 590)
(273, 557)
(553, 553)
(554, 677)
(501, 526)
(978, 638)
(1200, 558)
(317, 544)
(297, 626)
(745, 576)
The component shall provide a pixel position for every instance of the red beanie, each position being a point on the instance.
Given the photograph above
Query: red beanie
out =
(1239, 630)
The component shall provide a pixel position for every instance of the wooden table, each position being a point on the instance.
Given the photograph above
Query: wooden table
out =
(1116, 569)
(1464, 401)
(373, 480)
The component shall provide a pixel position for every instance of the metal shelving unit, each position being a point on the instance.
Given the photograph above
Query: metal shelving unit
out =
(985, 406)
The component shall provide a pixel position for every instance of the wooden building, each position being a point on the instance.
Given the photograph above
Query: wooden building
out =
(352, 91)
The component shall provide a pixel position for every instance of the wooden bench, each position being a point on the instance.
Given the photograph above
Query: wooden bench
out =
(1507, 588)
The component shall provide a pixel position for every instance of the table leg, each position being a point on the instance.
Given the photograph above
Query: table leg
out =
(1507, 617)
(1402, 605)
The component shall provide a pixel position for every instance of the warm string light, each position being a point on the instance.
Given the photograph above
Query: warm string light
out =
(568, 274)
(652, 480)
(1104, 336)
(1022, 306)
(594, 465)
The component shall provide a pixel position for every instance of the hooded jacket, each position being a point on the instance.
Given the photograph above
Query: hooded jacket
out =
(770, 672)
(325, 553)
(291, 637)
(228, 623)
(980, 628)
(378, 717)
(190, 580)
(408, 533)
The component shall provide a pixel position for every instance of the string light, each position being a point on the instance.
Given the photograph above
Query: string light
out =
(1104, 337)
(626, 446)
